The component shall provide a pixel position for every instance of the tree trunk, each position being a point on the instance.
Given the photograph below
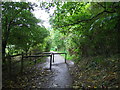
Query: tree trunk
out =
(4, 41)
(3, 50)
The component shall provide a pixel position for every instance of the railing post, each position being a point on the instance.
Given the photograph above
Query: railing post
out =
(30, 57)
(22, 63)
(50, 61)
(53, 57)
(65, 57)
(9, 65)
(26, 53)
(35, 60)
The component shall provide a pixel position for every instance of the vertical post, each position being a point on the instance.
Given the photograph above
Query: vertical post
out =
(26, 53)
(50, 61)
(65, 57)
(30, 57)
(35, 60)
(22, 63)
(9, 66)
(53, 57)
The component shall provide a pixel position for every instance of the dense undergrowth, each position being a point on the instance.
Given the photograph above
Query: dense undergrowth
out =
(97, 72)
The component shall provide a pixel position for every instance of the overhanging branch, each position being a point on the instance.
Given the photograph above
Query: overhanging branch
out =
(86, 20)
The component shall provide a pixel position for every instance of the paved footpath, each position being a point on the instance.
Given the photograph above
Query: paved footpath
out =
(61, 77)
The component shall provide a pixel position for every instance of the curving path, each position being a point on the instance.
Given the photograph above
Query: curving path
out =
(61, 77)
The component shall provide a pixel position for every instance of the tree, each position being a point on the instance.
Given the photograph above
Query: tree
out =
(91, 27)
(20, 27)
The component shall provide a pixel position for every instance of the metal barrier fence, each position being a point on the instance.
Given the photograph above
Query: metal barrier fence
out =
(40, 54)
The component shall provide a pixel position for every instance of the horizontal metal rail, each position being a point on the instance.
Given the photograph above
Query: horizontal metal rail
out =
(44, 53)
(59, 53)
(36, 56)
(15, 55)
(28, 53)
(41, 54)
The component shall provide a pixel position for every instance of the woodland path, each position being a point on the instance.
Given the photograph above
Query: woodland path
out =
(61, 77)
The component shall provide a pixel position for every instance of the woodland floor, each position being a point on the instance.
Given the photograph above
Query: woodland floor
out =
(39, 75)
(87, 73)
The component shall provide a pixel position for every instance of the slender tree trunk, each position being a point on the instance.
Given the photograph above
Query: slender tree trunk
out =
(3, 50)
(4, 41)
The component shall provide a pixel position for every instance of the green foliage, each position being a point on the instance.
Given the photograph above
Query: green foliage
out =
(88, 29)
(47, 44)
(58, 40)
(91, 38)
(19, 26)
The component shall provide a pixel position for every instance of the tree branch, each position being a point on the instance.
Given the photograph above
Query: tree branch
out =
(101, 5)
(86, 20)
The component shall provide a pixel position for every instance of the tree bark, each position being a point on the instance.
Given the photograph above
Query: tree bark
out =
(4, 42)
(3, 50)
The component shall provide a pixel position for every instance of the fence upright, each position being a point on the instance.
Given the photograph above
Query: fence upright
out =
(50, 62)
(22, 63)
(9, 59)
